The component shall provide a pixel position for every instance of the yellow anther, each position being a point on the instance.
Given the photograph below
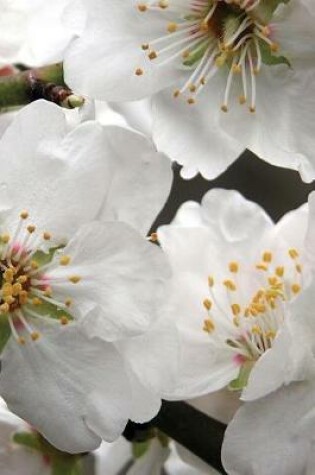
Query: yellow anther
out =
(252, 109)
(271, 335)
(203, 81)
(273, 280)
(208, 325)
(22, 279)
(34, 265)
(37, 301)
(8, 275)
(154, 237)
(4, 308)
(172, 27)
(207, 304)
(192, 88)
(176, 93)
(224, 108)
(74, 279)
(68, 302)
(16, 289)
(256, 330)
(186, 54)
(142, 7)
(21, 340)
(163, 4)
(262, 267)
(210, 281)
(145, 46)
(274, 47)
(35, 336)
(234, 267)
(64, 320)
(152, 55)
(293, 253)
(6, 289)
(229, 284)
(191, 101)
(267, 256)
(236, 309)
(298, 268)
(23, 297)
(295, 288)
(64, 260)
(47, 236)
(31, 228)
(259, 307)
(279, 271)
(138, 72)
(9, 299)
(5, 238)
(24, 214)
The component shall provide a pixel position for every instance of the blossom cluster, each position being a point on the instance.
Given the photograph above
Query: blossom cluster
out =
(104, 310)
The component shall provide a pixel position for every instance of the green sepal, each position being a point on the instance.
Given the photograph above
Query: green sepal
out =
(67, 465)
(266, 9)
(269, 58)
(5, 331)
(140, 448)
(28, 439)
(241, 381)
(196, 54)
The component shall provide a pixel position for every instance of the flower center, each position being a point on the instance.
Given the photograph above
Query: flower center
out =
(248, 326)
(210, 36)
(26, 294)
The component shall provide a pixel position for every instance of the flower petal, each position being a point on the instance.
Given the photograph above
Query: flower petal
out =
(142, 180)
(122, 277)
(82, 381)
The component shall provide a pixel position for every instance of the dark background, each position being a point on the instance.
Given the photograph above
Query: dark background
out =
(277, 190)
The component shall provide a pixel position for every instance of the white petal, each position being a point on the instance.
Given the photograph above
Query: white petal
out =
(190, 136)
(264, 437)
(142, 180)
(82, 381)
(51, 171)
(123, 277)
(111, 458)
(118, 30)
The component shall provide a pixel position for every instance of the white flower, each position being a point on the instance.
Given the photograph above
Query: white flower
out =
(208, 54)
(34, 32)
(113, 458)
(274, 435)
(75, 280)
(16, 459)
(236, 278)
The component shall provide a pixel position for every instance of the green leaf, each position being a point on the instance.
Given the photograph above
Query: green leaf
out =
(140, 448)
(241, 381)
(268, 57)
(5, 331)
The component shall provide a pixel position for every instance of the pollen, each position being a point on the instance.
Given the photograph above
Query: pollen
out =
(31, 228)
(64, 260)
(172, 27)
(138, 72)
(64, 320)
(208, 325)
(234, 267)
(293, 253)
(207, 304)
(75, 279)
(46, 236)
(296, 288)
(35, 336)
(236, 309)
(142, 7)
(229, 284)
(267, 256)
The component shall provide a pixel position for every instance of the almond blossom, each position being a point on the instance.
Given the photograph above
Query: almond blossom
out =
(240, 283)
(76, 280)
(199, 59)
